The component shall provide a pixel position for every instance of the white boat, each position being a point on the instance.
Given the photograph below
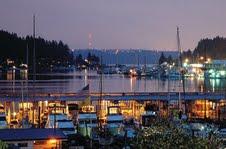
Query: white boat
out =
(87, 121)
(61, 121)
(115, 120)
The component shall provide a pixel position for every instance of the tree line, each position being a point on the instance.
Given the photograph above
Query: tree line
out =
(208, 48)
(48, 53)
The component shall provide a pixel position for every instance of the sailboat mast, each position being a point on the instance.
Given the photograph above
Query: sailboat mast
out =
(34, 70)
(101, 91)
(182, 71)
(27, 60)
(179, 64)
(34, 52)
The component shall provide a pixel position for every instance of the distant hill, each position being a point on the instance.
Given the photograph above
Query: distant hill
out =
(126, 56)
(47, 52)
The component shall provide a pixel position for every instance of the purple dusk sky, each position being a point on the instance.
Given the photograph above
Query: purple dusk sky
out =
(149, 24)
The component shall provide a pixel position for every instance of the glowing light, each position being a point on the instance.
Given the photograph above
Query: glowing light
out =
(52, 141)
(46, 103)
(222, 73)
(185, 64)
(208, 60)
(14, 113)
(186, 60)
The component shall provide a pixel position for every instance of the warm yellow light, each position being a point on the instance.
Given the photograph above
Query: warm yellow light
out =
(46, 103)
(208, 59)
(201, 57)
(14, 113)
(52, 141)
(186, 60)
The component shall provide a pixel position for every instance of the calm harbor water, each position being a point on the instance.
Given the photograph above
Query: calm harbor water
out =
(74, 81)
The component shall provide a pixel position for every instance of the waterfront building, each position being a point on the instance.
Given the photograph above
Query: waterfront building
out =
(33, 138)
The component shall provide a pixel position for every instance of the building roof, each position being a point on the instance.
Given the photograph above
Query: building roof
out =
(31, 134)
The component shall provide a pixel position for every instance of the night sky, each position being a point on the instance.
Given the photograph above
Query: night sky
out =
(149, 24)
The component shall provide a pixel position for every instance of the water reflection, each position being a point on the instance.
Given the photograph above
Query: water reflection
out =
(74, 81)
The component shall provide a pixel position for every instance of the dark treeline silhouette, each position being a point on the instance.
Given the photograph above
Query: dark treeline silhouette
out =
(163, 59)
(208, 48)
(48, 53)
(91, 61)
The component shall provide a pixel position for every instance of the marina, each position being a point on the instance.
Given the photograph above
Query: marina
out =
(127, 85)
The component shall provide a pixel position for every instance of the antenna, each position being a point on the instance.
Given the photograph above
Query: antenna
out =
(90, 40)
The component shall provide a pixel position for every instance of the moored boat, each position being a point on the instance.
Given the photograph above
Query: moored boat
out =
(114, 120)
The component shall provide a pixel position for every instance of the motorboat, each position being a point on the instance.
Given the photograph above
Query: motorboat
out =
(87, 121)
(61, 121)
(114, 120)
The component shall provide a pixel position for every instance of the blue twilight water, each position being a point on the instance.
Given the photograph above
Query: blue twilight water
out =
(74, 81)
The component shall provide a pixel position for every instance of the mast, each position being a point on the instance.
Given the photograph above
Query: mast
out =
(180, 66)
(34, 69)
(27, 60)
(101, 91)
(34, 52)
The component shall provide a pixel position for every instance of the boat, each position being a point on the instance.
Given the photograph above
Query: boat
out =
(2, 109)
(114, 120)
(149, 115)
(3, 122)
(87, 121)
(14, 123)
(61, 121)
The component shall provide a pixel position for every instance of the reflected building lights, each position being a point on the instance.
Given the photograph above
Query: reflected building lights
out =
(132, 84)
(86, 77)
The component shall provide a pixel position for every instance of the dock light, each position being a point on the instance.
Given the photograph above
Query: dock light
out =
(222, 73)
(201, 58)
(14, 113)
(186, 60)
(208, 59)
(52, 141)
(185, 64)
(46, 103)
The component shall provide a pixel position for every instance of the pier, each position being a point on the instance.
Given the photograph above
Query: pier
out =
(94, 96)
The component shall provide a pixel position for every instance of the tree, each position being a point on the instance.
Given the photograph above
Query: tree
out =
(3, 145)
(162, 59)
(165, 134)
(170, 59)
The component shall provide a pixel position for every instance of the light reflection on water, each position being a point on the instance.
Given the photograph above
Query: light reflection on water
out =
(74, 81)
